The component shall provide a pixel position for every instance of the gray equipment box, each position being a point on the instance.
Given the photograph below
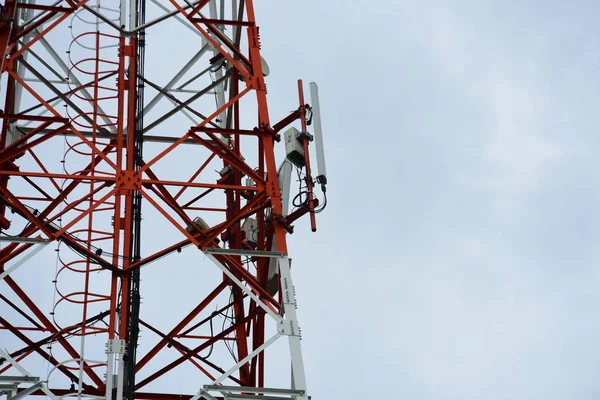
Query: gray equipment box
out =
(293, 147)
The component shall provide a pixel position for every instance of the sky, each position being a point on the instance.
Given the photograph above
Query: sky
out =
(457, 256)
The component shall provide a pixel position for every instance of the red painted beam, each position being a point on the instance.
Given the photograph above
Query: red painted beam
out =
(17, 309)
(221, 21)
(184, 349)
(184, 322)
(7, 17)
(46, 322)
(196, 350)
(37, 348)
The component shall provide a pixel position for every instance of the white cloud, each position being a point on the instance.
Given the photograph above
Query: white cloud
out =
(516, 149)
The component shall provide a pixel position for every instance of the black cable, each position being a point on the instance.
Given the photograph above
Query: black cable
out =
(232, 320)
(212, 335)
(301, 199)
(301, 190)
(73, 237)
(322, 207)
(133, 312)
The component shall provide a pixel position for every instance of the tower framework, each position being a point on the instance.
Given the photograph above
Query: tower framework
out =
(139, 182)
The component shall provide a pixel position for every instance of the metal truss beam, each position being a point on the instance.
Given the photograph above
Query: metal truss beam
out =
(96, 211)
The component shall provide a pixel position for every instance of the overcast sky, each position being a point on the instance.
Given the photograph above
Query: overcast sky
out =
(458, 256)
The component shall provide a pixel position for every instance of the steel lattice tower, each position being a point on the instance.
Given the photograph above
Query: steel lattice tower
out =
(143, 215)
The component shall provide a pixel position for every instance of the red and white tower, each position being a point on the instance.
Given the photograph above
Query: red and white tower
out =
(145, 203)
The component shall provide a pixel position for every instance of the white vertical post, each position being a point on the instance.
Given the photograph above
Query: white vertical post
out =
(132, 15)
(316, 116)
(234, 17)
(120, 378)
(114, 347)
(81, 362)
(123, 14)
(110, 365)
(284, 175)
(290, 318)
(98, 18)
(219, 89)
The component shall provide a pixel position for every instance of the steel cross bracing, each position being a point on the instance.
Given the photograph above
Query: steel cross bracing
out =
(143, 224)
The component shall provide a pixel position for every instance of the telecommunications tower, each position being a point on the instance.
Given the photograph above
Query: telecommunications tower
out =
(146, 198)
